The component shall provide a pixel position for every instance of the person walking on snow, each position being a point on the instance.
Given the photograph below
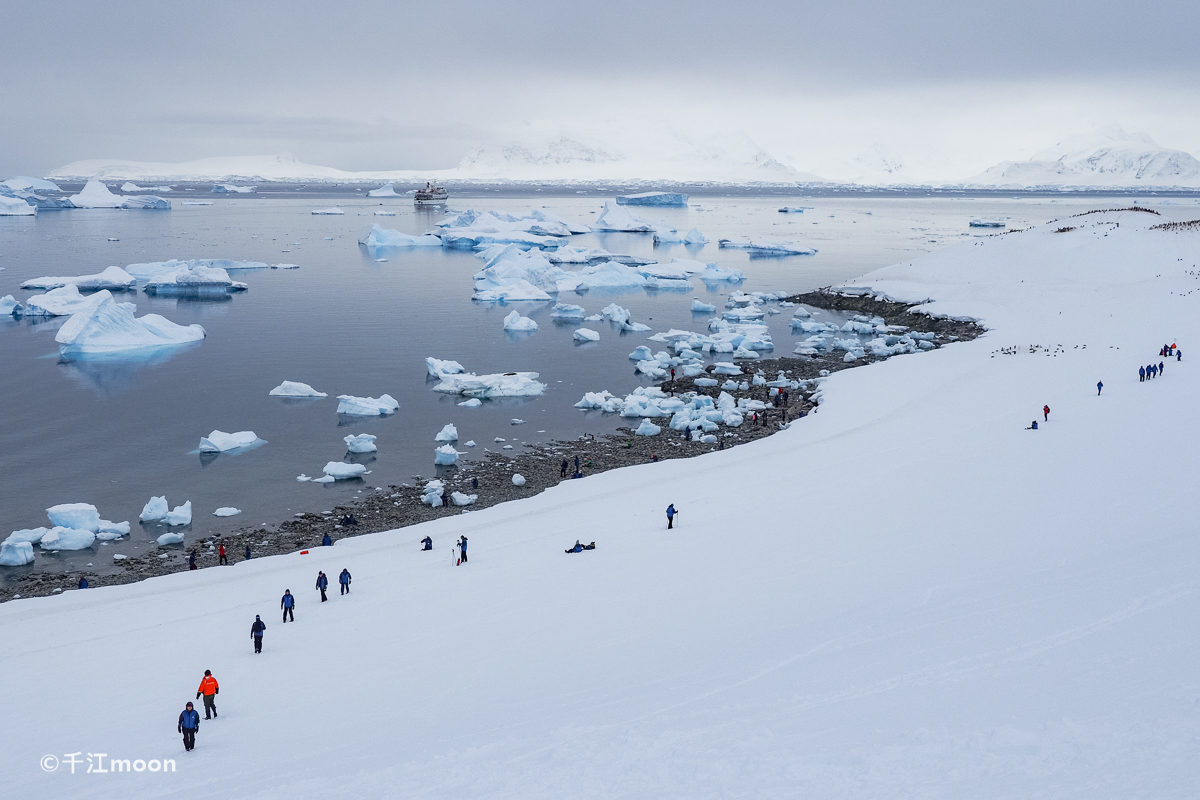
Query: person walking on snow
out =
(1141, 374)
(189, 723)
(1099, 387)
(671, 512)
(221, 559)
(287, 603)
(322, 584)
(256, 632)
(209, 690)
(462, 546)
(1178, 355)
(1160, 366)
(344, 580)
(1046, 411)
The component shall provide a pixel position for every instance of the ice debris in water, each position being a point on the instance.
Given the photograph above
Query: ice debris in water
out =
(447, 434)
(32, 535)
(436, 367)
(672, 199)
(170, 538)
(615, 218)
(445, 455)
(15, 554)
(507, 384)
(101, 325)
(367, 406)
(219, 441)
(180, 515)
(586, 335)
(376, 236)
(361, 443)
(340, 471)
(566, 311)
(9, 307)
(155, 509)
(515, 322)
(295, 389)
(474, 402)
(768, 246)
(328, 212)
(75, 515)
(226, 511)
(113, 278)
(64, 538)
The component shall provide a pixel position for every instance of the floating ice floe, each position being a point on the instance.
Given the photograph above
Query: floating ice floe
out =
(695, 237)
(16, 207)
(295, 389)
(617, 218)
(328, 212)
(647, 428)
(603, 401)
(113, 278)
(382, 212)
(669, 199)
(387, 190)
(461, 499)
(515, 322)
(146, 204)
(536, 229)
(700, 307)
(9, 307)
(21, 182)
(667, 236)
(75, 515)
(474, 402)
(101, 325)
(131, 187)
(715, 274)
(437, 367)
(360, 443)
(640, 353)
(447, 434)
(170, 538)
(519, 290)
(561, 311)
(154, 269)
(507, 384)
(585, 335)
(367, 406)
(31, 535)
(15, 554)
(228, 188)
(518, 479)
(193, 278)
(445, 455)
(219, 441)
(611, 275)
(180, 515)
(341, 471)
(768, 246)
(579, 255)
(376, 236)
(61, 302)
(154, 510)
(64, 538)
(792, 210)
(227, 511)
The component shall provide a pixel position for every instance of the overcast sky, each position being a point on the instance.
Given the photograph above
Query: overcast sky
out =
(952, 87)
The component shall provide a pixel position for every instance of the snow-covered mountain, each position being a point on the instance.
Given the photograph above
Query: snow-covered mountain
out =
(646, 158)
(1107, 156)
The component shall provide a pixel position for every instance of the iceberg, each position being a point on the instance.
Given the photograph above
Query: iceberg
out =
(670, 199)
(21, 182)
(445, 455)
(180, 515)
(16, 207)
(154, 510)
(113, 530)
(9, 307)
(75, 515)
(461, 499)
(99, 324)
(219, 442)
(667, 236)
(387, 190)
(113, 278)
(15, 554)
(603, 401)
(700, 307)
(64, 538)
(367, 406)
(228, 188)
(148, 203)
(154, 269)
(508, 384)
(768, 246)
(341, 471)
(328, 212)
(695, 237)
(447, 434)
(474, 402)
(192, 278)
(32, 535)
(437, 367)
(515, 322)
(610, 275)
(96, 195)
(170, 538)
(561, 311)
(131, 187)
(362, 443)
(517, 291)
(227, 511)
(616, 218)
(585, 335)
(712, 274)
(640, 353)
(295, 389)
(60, 302)
(648, 428)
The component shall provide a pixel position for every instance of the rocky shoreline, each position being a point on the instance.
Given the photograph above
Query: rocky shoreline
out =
(540, 464)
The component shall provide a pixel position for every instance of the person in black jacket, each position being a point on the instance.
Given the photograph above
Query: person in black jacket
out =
(256, 632)
(428, 543)
(189, 723)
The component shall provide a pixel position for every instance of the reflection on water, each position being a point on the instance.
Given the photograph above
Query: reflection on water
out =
(110, 373)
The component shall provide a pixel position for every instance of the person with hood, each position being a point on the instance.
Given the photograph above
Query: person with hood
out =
(1141, 374)
(82, 582)
(462, 545)
(326, 541)
(287, 603)
(221, 559)
(256, 632)
(671, 512)
(209, 690)
(189, 723)
(1099, 387)
(322, 584)
(1046, 411)
(344, 580)
(428, 543)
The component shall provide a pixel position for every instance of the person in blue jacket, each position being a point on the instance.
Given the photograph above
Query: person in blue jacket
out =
(256, 632)
(189, 723)
(344, 580)
(1099, 387)
(326, 541)
(322, 584)
(671, 512)
(82, 582)
(1160, 367)
(287, 603)
(462, 543)
(1141, 374)
(428, 543)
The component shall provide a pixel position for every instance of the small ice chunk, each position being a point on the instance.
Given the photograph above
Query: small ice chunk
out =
(62, 538)
(641, 353)
(15, 554)
(566, 311)
(515, 322)
(616, 218)
(437, 367)
(445, 455)
(180, 515)
(474, 402)
(648, 428)
(324, 479)
(586, 335)
(328, 212)
(75, 515)
(32, 535)
(517, 421)
(295, 389)
(471, 443)
(518, 479)
(114, 528)
(219, 441)
(367, 406)
(340, 471)
(170, 538)
(154, 510)
(119, 557)
(461, 499)
(361, 443)
(701, 307)
(302, 478)
(226, 511)
(447, 434)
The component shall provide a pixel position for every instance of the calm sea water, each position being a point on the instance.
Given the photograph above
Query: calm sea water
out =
(114, 432)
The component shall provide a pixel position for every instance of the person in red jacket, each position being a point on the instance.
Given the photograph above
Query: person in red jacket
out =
(221, 555)
(1046, 411)
(210, 689)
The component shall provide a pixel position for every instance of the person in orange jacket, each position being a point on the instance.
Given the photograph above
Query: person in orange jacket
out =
(210, 690)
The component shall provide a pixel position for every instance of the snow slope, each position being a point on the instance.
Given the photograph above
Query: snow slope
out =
(904, 595)
(1107, 157)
